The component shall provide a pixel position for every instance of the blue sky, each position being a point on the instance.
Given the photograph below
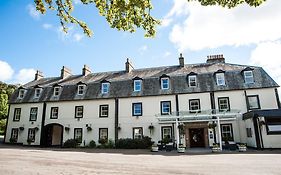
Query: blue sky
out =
(29, 41)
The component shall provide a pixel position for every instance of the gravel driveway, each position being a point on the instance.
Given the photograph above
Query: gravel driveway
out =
(28, 161)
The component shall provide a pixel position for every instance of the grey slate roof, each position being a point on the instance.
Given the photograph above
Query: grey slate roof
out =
(121, 82)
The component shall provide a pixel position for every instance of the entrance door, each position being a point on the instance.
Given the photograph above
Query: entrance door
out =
(52, 135)
(196, 137)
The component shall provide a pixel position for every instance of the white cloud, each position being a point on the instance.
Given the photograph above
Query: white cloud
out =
(32, 12)
(77, 2)
(24, 76)
(71, 34)
(167, 53)
(142, 49)
(47, 26)
(6, 72)
(268, 55)
(213, 26)
(77, 36)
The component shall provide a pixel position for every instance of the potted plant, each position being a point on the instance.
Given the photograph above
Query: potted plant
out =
(13, 140)
(242, 147)
(89, 128)
(66, 128)
(154, 148)
(212, 125)
(36, 128)
(181, 148)
(216, 148)
(29, 140)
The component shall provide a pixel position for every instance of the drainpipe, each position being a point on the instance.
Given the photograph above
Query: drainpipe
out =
(219, 133)
(6, 127)
(116, 119)
(177, 133)
(42, 139)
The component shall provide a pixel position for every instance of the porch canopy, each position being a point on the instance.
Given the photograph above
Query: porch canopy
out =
(272, 113)
(198, 116)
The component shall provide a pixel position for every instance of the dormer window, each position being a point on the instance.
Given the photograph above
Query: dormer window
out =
(81, 89)
(248, 77)
(220, 79)
(21, 93)
(165, 83)
(56, 91)
(192, 81)
(105, 88)
(37, 92)
(137, 85)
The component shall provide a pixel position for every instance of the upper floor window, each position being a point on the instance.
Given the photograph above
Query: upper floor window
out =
(81, 89)
(37, 92)
(54, 112)
(33, 114)
(17, 114)
(21, 93)
(248, 77)
(192, 82)
(78, 111)
(194, 105)
(253, 102)
(165, 83)
(105, 88)
(137, 85)
(165, 107)
(224, 104)
(104, 110)
(137, 109)
(56, 91)
(220, 79)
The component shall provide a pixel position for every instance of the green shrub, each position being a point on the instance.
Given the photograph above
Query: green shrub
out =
(103, 141)
(70, 143)
(128, 143)
(92, 144)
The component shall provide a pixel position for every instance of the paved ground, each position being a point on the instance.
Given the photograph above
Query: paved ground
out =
(35, 161)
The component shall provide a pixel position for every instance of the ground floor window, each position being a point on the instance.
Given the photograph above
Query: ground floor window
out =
(14, 135)
(78, 134)
(31, 135)
(166, 132)
(249, 132)
(273, 125)
(103, 134)
(137, 133)
(227, 132)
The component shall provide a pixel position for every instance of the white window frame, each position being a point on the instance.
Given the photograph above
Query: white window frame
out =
(220, 79)
(17, 114)
(248, 77)
(192, 105)
(229, 131)
(163, 107)
(79, 110)
(103, 133)
(54, 110)
(163, 83)
(21, 93)
(104, 110)
(251, 101)
(31, 134)
(223, 104)
(15, 133)
(81, 89)
(166, 131)
(78, 134)
(37, 92)
(56, 91)
(192, 81)
(33, 114)
(137, 85)
(105, 88)
(137, 109)
(137, 133)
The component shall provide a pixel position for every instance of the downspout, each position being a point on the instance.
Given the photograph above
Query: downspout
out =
(7, 124)
(256, 132)
(246, 99)
(213, 107)
(116, 118)
(42, 139)
(277, 98)
(177, 123)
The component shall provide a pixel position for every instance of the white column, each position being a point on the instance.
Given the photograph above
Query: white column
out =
(177, 133)
(219, 133)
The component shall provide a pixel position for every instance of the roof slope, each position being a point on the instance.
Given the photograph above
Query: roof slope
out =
(121, 84)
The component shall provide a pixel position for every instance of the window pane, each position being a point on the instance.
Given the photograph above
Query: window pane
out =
(166, 107)
(165, 83)
(253, 102)
(103, 110)
(194, 105)
(248, 76)
(105, 88)
(220, 79)
(192, 80)
(223, 104)
(137, 133)
(137, 109)
(79, 111)
(137, 85)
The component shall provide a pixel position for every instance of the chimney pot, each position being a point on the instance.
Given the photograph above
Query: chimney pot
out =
(128, 66)
(86, 70)
(215, 59)
(181, 60)
(38, 75)
(65, 72)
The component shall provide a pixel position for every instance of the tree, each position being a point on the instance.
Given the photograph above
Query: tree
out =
(126, 15)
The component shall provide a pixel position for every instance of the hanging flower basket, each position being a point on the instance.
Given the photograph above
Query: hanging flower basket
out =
(150, 127)
(118, 128)
(21, 128)
(181, 129)
(89, 128)
(212, 125)
(36, 128)
(66, 128)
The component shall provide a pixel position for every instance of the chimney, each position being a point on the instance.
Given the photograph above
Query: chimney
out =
(215, 59)
(38, 75)
(181, 60)
(128, 65)
(65, 72)
(86, 70)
